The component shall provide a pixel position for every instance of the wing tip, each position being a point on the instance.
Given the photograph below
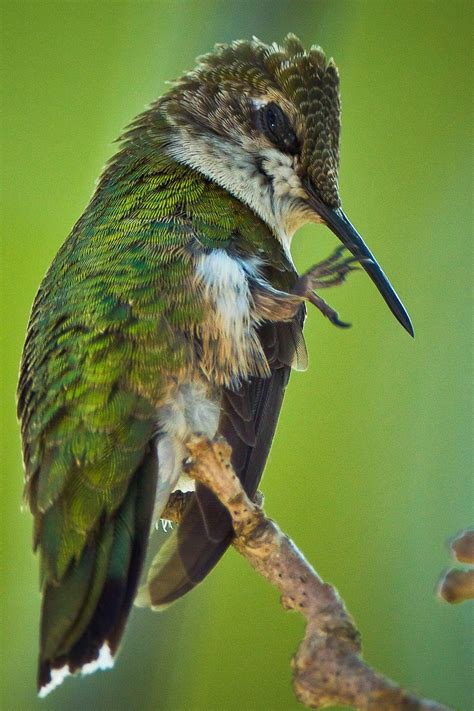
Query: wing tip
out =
(143, 598)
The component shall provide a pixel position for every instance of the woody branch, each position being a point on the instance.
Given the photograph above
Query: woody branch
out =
(328, 668)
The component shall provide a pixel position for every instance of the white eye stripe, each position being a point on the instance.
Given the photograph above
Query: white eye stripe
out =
(259, 103)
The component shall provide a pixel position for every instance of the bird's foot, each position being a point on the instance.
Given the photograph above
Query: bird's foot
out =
(166, 525)
(331, 272)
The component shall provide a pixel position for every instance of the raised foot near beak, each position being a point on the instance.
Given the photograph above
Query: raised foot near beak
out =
(331, 272)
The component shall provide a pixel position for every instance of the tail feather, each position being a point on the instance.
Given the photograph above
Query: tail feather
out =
(145, 502)
(83, 617)
(64, 613)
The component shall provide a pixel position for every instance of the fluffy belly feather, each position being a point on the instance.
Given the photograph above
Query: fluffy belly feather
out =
(192, 408)
(231, 349)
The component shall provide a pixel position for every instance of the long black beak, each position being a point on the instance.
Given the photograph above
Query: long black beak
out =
(342, 228)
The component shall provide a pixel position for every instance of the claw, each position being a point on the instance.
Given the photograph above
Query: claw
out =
(338, 252)
(337, 322)
(327, 311)
(332, 272)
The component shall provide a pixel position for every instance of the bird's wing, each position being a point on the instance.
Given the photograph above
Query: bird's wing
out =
(87, 430)
(91, 476)
(248, 422)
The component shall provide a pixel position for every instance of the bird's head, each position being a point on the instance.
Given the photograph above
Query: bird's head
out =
(263, 121)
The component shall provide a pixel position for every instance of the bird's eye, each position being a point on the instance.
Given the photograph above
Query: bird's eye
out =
(274, 123)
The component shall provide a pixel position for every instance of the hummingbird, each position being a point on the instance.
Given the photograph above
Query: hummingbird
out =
(174, 309)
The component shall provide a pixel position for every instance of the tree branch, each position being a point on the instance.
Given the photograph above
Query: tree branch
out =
(457, 584)
(327, 668)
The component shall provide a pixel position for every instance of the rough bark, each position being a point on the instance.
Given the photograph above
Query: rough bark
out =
(328, 668)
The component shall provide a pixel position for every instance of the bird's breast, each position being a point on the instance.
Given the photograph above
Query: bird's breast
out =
(228, 339)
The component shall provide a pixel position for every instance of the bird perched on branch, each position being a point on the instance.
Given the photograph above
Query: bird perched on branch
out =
(174, 309)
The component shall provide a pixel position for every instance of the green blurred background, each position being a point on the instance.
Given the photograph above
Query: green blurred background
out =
(370, 470)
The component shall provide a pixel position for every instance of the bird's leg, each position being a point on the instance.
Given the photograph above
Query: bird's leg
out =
(274, 305)
(331, 272)
(270, 304)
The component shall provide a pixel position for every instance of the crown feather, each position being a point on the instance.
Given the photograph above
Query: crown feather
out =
(304, 80)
